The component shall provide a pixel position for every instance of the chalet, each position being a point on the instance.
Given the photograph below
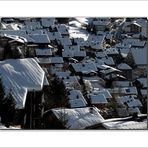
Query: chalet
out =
(112, 52)
(51, 61)
(63, 74)
(96, 83)
(99, 25)
(54, 35)
(32, 25)
(98, 99)
(73, 52)
(139, 57)
(20, 33)
(25, 78)
(77, 118)
(104, 92)
(47, 22)
(135, 43)
(76, 99)
(129, 101)
(95, 42)
(85, 68)
(45, 52)
(64, 41)
(41, 39)
(133, 27)
(71, 82)
(63, 29)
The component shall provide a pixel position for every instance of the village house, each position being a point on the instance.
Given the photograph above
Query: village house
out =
(85, 68)
(76, 99)
(77, 118)
(133, 27)
(24, 79)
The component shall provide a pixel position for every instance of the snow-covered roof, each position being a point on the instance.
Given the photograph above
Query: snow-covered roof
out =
(110, 51)
(104, 92)
(75, 24)
(77, 103)
(62, 74)
(131, 90)
(100, 23)
(62, 28)
(32, 25)
(15, 38)
(108, 60)
(65, 41)
(101, 54)
(122, 123)
(79, 35)
(71, 82)
(98, 99)
(20, 33)
(107, 69)
(76, 99)
(121, 83)
(73, 53)
(140, 56)
(71, 47)
(130, 101)
(43, 52)
(97, 83)
(79, 118)
(40, 38)
(134, 42)
(85, 67)
(95, 41)
(21, 76)
(47, 22)
(75, 94)
(51, 60)
(54, 35)
(123, 66)
(144, 92)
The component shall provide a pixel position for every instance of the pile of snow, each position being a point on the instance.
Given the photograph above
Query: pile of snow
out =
(20, 76)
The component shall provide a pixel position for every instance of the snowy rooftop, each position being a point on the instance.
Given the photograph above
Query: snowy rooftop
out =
(104, 92)
(130, 101)
(124, 66)
(43, 52)
(85, 67)
(51, 60)
(21, 76)
(98, 99)
(143, 81)
(139, 56)
(79, 118)
(122, 123)
(40, 38)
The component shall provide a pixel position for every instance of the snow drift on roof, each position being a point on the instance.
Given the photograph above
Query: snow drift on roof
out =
(21, 76)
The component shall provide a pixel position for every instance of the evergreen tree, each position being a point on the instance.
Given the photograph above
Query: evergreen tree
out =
(56, 95)
(8, 110)
(2, 96)
(7, 106)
